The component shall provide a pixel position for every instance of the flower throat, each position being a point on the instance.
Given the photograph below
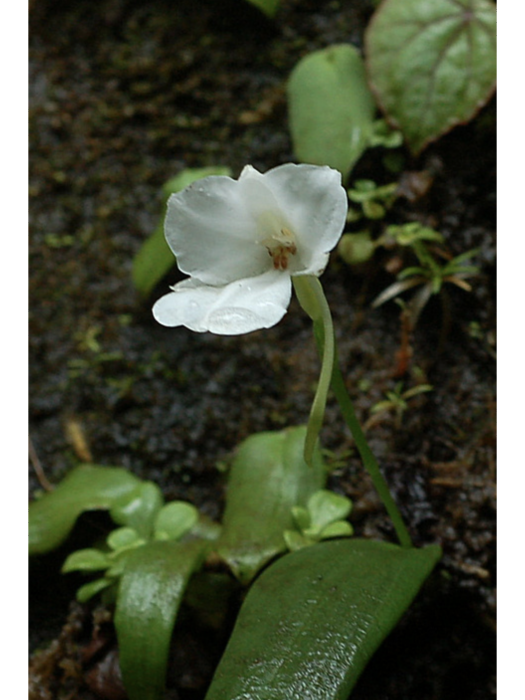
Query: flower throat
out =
(278, 240)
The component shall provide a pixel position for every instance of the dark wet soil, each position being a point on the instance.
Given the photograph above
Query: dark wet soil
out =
(124, 95)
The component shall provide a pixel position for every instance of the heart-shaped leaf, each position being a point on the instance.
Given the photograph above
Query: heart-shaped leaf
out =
(431, 63)
(312, 620)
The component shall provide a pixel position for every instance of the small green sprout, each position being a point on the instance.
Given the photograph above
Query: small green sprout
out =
(323, 518)
(408, 234)
(397, 402)
(384, 135)
(151, 522)
(430, 274)
(374, 200)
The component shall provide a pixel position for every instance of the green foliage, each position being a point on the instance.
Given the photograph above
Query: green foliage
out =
(430, 274)
(138, 508)
(331, 108)
(88, 487)
(431, 63)
(374, 200)
(146, 562)
(312, 620)
(174, 520)
(150, 593)
(151, 557)
(157, 549)
(268, 478)
(168, 522)
(323, 517)
(154, 259)
(397, 400)
(409, 234)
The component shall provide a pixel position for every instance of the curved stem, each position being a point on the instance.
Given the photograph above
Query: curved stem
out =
(311, 297)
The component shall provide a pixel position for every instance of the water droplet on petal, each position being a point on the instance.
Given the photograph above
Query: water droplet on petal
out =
(233, 320)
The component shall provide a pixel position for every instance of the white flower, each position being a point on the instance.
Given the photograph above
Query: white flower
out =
(241, 241)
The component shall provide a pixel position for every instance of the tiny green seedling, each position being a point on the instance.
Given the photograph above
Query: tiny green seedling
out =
(396, 402)
(373, 200)
(171, 522)
(324, 517)
(430, 274)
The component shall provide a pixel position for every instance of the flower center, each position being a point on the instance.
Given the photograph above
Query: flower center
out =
(280, 247)
(278, 240)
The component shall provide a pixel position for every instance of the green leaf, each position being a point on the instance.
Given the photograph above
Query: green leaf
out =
(301, 517)
(124, 538)
(295, 540)
(268, 478)
(431, 63)
(86, 560)
(139, 508)
(331, 108)
(150, 593)
(269, 7)
(175, 520)
(87, 487)
(325, 507)
(206, 529)
(312, 620)
(88, 590)
(155, 258)
(338, 529)
(408, 234)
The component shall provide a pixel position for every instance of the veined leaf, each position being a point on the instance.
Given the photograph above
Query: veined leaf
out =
(149, 596)
(88, 487)
(312, 620)
(331, 108)
(268, 478)
(431, 63)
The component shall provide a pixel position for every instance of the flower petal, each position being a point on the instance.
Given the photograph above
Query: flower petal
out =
(212, 232)
(316, 205)
(242, 306)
